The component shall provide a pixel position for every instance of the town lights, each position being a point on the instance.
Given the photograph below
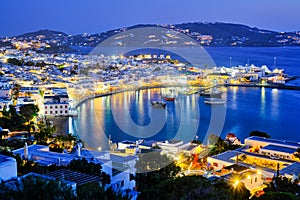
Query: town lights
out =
(235, 184)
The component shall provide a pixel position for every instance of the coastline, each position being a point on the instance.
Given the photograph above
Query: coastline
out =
(274, 86)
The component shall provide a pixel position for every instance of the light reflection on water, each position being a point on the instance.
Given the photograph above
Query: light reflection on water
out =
(247, 109)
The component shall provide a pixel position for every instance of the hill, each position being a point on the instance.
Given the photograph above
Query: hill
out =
(206, 34)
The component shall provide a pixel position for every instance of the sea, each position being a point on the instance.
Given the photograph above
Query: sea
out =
(130, 115)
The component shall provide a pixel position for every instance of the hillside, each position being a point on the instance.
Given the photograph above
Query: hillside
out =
(206, 34)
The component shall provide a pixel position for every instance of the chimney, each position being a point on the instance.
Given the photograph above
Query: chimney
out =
(26, 151)
(78, 150)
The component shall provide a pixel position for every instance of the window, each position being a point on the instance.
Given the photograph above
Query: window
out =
(46, 112)
(215, 164)
(56, 112)
(50, 107)
(61, 112)
(55, 107)
(46, 107)
(61, 107)
(255, 179)
(66, 106)
(51, 112)
(66, 111)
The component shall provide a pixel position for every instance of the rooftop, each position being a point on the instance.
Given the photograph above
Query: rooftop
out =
(236, 167)
(279, 149)
(281, 142)
(121, 159)
(4, 158)
(291, 169)
(73, 176)
(42, 155)
(227, 155)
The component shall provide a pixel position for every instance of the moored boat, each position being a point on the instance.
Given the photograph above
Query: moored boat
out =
(213, 94)
(214, 101)
(169, 98)
(158, 104)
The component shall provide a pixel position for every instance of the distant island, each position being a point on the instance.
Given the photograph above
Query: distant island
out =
(207, 34)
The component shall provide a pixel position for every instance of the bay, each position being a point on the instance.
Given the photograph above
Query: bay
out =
(271, 110)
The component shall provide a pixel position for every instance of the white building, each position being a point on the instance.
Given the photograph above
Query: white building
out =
(5, 93)
(8, 168)
(280, 149)
(56, 105)
(56, 109)
(117, 167)
(172, 147)
(252, 179)
(259, 142)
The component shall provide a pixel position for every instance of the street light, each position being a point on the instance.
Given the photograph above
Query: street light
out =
(235, 184)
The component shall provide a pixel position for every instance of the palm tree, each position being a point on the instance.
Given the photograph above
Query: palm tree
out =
(15, 93)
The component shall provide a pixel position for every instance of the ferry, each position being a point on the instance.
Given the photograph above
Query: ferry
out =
(214, 101)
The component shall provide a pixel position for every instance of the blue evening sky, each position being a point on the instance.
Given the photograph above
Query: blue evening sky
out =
(94, 16)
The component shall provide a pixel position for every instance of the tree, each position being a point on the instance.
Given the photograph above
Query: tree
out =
(15, 121)
(45, 131)
(276, 196)
(15, 61)
(15, 93)
(37, 188)
(3, 133)
(260, 134)
(82, 165)
(5, 112)
(28, 111)
(186, 187)
(95, 191)
(152, 168)
(283, 184)
(297, 153)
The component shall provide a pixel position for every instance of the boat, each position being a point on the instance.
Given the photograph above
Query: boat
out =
(213, 93)
(214, 101)
(187, 92)
(169, 98)
(158, 104)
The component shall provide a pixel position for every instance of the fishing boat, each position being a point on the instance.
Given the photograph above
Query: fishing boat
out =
(170, 96)
(214, 101)
(158, 104)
